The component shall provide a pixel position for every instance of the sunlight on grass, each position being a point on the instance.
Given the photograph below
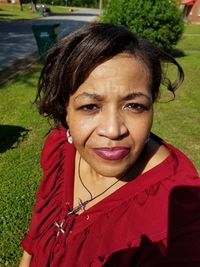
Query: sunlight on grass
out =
(13, 12)
(178, 121)
(192, 29)
(22, 172)
(189, 43)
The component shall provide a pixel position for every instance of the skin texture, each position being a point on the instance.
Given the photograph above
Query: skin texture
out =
(25, 260)
(112, 108)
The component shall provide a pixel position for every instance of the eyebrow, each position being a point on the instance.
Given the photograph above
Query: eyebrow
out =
(90, 95)
(137, 94)
(130, 96)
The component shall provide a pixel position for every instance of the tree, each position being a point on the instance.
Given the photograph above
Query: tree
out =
(159, 21)
(33, 5)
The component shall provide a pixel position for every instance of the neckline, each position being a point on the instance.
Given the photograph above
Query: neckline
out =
(141, 182)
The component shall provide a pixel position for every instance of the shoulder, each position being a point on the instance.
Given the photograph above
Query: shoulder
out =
(53, 146)
(161, 153)
(57, 158)
(156, 152)
(55, 134)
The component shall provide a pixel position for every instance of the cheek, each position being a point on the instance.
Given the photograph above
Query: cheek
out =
(81, 130)
(140, 123)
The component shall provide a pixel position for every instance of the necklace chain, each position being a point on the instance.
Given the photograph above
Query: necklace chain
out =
(81, 205)
(91, 196)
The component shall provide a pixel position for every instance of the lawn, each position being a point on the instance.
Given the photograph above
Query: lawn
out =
(19, 161)
(22, 132)
(179, 121)
(13, 12)
(192, 28)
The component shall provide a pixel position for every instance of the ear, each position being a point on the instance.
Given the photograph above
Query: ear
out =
(67, 119)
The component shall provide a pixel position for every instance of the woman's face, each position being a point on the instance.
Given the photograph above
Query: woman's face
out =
(110, 115)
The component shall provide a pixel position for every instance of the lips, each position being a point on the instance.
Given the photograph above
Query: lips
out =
(112, 153)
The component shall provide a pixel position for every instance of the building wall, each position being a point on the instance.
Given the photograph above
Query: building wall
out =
(191, 11)
(194, 15)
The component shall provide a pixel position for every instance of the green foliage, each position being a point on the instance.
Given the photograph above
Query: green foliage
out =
(159, 21)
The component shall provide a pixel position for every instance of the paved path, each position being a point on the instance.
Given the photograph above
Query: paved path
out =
(17, 40)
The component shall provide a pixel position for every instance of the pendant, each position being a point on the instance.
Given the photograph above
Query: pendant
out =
(60, 229)
(81, 206)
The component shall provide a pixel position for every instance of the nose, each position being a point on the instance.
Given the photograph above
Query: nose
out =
(112, 125)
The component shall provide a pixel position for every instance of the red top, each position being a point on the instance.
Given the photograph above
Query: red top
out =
(153, 220)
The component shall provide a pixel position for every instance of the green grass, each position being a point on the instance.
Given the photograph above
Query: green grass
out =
(178, 122)
(13, 12)
(190, 43)
(192, 29)
(190, 40)
(20, 170)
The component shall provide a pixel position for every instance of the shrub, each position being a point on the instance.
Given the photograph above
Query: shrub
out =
(159, 21)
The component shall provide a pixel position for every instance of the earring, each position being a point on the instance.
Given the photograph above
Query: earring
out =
(69, 137)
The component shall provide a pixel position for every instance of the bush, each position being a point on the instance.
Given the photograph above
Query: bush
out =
(159, 21)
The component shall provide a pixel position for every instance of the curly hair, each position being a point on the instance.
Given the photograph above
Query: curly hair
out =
(73, 58)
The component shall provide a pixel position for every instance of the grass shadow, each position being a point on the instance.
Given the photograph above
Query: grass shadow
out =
(10, 136)
(7, 15)
(22, 69)
(177, 53)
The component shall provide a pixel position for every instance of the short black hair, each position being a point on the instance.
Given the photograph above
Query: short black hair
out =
(73, 58)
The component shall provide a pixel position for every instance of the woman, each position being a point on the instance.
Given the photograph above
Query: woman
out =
(112, 194)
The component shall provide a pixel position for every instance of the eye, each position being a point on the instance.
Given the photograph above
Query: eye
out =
(136, 107)
(89, 107)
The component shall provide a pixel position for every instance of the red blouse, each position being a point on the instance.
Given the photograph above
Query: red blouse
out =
(154, 220)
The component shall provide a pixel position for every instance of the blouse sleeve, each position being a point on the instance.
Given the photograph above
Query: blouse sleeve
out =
(184, 227)
(28, 244)
(182, 246)
(49, 194)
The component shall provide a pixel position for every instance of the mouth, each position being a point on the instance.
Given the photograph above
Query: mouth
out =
(112, 153)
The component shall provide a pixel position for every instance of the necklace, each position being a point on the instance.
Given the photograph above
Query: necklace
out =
(81, 204)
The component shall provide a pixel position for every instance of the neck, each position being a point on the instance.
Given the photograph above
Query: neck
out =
(89, 174)
(91, 185)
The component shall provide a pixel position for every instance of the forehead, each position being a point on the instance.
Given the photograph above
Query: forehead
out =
(118, 75)
(122, 62)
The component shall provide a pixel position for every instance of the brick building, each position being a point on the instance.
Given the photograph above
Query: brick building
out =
(191, 10)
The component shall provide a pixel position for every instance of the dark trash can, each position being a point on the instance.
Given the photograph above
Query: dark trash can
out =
(46, 36)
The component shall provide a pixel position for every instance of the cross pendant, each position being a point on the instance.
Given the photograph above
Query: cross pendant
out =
(81, 206)
(60, 229)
